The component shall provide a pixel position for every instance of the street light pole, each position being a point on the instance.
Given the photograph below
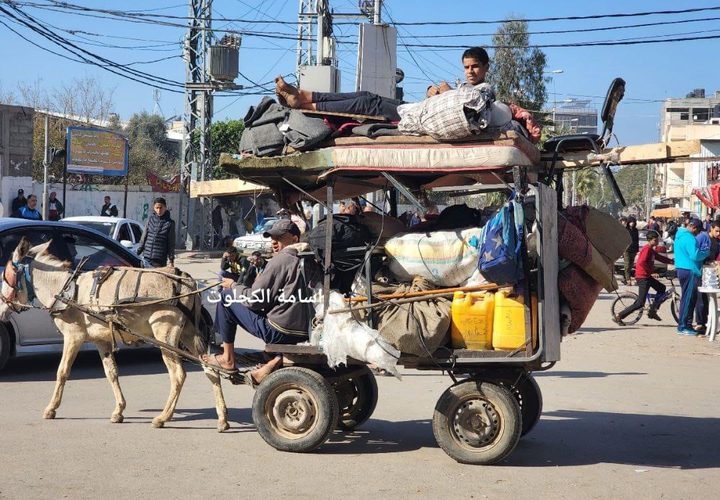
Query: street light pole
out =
(46, 162)
(555, 72)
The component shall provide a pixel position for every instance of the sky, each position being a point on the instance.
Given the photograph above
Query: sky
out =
(653, 72)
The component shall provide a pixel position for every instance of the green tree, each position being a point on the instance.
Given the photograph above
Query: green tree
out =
(517, 70)
(225, 138)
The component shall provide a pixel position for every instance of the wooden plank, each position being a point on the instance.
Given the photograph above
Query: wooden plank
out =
(663, 152)
(549, 303)
(224, 187)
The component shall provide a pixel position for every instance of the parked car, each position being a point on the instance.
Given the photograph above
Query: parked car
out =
(127, 231)
(33, 332)
(250, 243)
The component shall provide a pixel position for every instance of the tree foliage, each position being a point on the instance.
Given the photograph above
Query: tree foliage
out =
(517, 70)
(225, 138)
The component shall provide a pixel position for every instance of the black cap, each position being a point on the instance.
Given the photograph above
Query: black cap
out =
(697, 224)
(21, 191)
(281, 227)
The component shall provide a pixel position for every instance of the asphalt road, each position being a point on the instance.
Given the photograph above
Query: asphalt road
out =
(629, 413)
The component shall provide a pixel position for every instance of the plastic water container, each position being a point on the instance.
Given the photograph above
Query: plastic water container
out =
(472, 320)
(509, 321)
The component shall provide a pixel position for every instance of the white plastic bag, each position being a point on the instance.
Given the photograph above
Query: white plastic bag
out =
(340, 336)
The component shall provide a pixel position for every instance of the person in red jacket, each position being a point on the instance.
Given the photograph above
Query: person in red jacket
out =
(644, 271)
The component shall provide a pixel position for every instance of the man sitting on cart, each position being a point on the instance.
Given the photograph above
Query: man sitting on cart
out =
(276, 308)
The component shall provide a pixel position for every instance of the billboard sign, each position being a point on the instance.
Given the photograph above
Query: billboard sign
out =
(96, 151)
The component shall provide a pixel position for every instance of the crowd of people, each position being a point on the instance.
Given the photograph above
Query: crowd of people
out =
(695, 243)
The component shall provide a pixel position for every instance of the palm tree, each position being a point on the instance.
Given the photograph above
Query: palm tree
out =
(586, 182)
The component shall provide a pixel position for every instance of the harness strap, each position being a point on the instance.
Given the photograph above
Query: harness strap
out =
(123, 273)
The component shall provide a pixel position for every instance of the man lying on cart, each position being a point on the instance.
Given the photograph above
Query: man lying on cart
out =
(276, 308)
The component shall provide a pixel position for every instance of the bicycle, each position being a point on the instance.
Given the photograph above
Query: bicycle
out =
(625, 299)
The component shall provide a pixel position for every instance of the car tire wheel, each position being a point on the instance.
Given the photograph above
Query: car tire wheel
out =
(5, 346)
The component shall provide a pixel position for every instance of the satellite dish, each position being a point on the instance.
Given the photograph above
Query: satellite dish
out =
(399, 75)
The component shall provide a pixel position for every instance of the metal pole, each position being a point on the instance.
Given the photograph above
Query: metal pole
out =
(319, 52)
(65, 175)
(127, 180)
(376, 13)
(648, 191)
(46, 161)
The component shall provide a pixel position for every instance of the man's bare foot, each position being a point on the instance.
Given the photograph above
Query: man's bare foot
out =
(266, 369)
(218, 360)
(287, 94)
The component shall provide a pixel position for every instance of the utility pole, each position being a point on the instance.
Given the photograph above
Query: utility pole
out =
(46, 164)
(198, 117)
(648, 190)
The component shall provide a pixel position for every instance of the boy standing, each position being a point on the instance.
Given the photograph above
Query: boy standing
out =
(644, 271)
(688, 263)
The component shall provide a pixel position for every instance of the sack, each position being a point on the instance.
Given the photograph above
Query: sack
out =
(457, 216)
(346, 233)
(445, 258)
(417, 328)
(500, 252)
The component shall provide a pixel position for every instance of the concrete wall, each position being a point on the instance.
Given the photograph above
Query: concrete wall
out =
(16, 150)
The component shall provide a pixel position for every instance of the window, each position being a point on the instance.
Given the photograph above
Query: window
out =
(701, 115)
(124, 233)
(97, 253)
(137, 232)
(9, 241)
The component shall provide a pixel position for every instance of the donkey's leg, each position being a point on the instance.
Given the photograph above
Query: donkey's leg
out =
(111, 372)
(220, 406)
(71, 346)
(177, 379)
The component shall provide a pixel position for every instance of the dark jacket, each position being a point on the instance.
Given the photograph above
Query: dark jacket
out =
(158, 239)
(17, 204)
(635, 243)
(59, 209)
(109, 210)
(282, 276)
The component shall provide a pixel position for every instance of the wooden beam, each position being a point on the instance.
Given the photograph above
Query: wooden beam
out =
(663, 152)
(225, 187)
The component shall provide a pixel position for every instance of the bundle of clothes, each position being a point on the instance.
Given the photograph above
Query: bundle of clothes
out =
(270, 128)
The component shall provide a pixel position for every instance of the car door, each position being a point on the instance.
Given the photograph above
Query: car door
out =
(137, 232)
(34, 326)
(125, 234)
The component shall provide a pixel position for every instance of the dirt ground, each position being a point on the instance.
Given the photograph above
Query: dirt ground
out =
(628, 413)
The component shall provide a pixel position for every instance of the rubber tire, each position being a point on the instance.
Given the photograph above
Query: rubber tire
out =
(529, 397)
(675, 307)
(364, 395)
(308, 382)
(5, 346)
(509, 421)
(621, 302)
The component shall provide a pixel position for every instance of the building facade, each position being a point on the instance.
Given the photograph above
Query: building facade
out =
(695, 117)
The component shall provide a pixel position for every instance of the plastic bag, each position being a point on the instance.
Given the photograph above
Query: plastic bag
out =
(340, 336)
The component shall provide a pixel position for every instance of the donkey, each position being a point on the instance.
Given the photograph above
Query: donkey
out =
(47, 275)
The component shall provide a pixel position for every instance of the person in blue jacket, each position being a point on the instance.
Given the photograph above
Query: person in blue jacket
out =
(689, 257)
(30, 210)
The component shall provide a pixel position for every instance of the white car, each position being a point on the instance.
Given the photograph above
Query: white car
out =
(126, 231)
(250, 243)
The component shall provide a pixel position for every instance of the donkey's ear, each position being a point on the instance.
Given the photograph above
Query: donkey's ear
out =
(22, 249)
(37, 249)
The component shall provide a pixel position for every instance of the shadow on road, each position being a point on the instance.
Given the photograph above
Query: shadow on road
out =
(381, 436)
(573, 437)
(87, 366)
(577, 374)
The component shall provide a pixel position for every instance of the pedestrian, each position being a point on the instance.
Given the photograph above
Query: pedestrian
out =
(706, 223)
(30, 210)
(108, 209)
(231, 264)
(217, 224)
(17, 203)
(710, 241)
(646, 279)
(653, 225)
(688, 263)
(55, 209)
(256, 265)
(158, 240)
(632, 250)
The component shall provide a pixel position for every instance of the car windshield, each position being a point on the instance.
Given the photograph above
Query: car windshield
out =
(105, 228)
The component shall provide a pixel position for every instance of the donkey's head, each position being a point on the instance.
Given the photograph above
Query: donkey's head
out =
(14, 293)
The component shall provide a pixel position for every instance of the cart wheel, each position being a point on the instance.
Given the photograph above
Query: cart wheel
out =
(528, 395)
(357, 398)
(477, 422)
(622, 301)
(295, 409)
